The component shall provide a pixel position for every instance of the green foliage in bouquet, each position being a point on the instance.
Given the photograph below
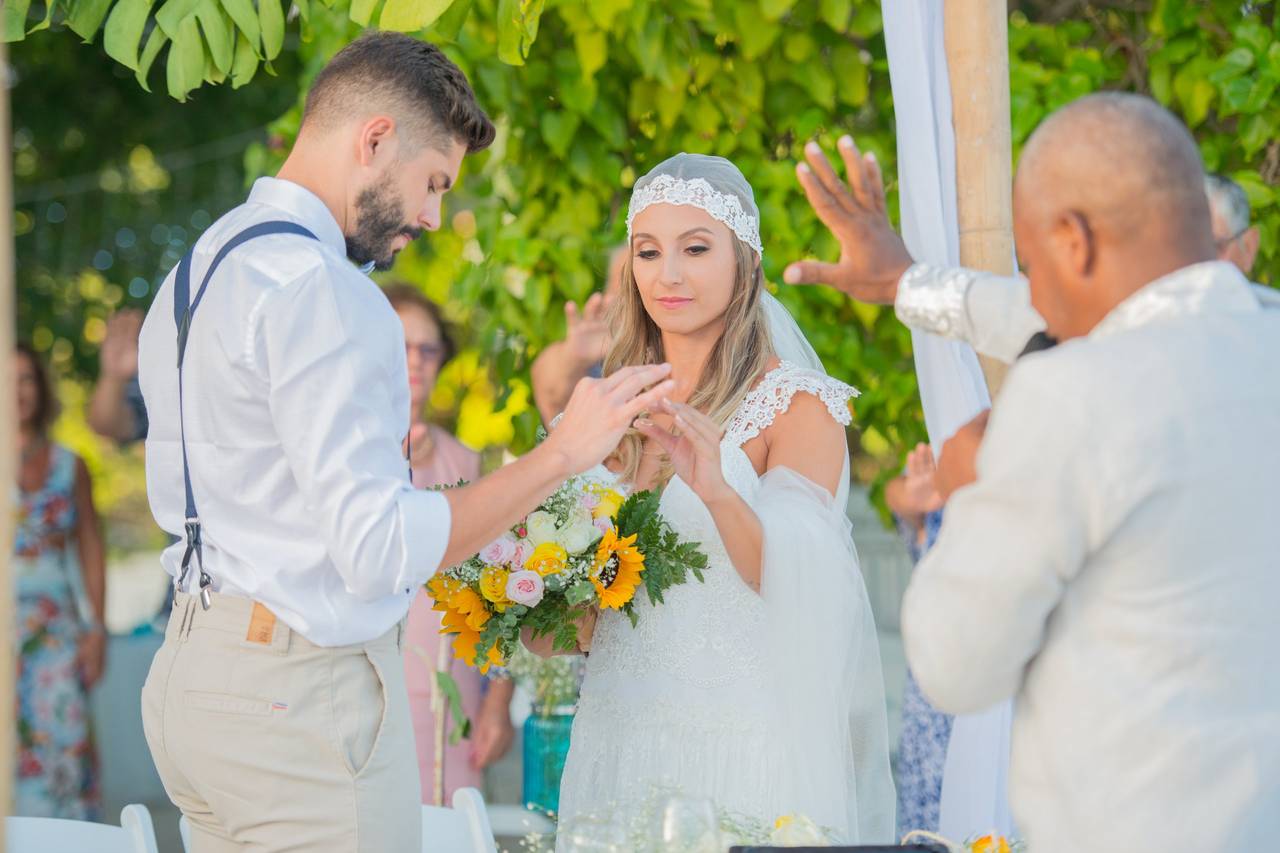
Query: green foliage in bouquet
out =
(671, 561)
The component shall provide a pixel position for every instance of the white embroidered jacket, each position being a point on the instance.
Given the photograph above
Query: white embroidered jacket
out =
(1114, 568)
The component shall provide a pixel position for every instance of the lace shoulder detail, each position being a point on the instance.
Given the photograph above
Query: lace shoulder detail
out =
(773, 396)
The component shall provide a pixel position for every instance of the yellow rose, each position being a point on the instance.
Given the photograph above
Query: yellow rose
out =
(548, 558)
(493, 586)
(610, 503)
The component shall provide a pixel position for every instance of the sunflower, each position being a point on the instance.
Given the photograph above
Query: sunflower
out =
(616, 571)
(464, 649)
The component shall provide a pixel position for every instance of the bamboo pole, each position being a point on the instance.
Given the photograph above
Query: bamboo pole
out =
(8, 452)
(977, 40)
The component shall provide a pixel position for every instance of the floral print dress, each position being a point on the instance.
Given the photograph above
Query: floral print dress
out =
(56, 762)
(926, 731)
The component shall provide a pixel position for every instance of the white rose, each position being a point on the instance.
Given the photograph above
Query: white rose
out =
(578, 534)
(541, 527)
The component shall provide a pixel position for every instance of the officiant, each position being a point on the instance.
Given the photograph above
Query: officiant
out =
(1128, 606)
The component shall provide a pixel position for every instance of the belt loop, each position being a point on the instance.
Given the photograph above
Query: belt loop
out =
(282, 637)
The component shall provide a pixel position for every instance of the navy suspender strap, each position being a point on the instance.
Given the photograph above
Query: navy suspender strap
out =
(184, 309)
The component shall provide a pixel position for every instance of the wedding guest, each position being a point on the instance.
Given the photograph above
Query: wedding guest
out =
(1106, 557)
(276, 709)
(560, 366)
(439, 459)
(116, 409)
(60, 591)
(1235, 240)
(916, 504)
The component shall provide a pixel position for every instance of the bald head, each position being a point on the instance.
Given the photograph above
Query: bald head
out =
(1109, 197)
(1125, 162)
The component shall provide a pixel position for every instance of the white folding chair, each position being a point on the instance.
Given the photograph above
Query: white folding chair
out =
(461, 829)
(135, 834)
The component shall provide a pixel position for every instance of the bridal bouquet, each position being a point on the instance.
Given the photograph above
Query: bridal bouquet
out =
(585, 546)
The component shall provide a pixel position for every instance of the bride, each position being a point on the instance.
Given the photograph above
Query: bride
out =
(759, 689)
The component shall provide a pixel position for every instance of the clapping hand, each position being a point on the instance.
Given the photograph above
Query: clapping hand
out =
(119, 354)
(694, 449)
(872, 255)
(920, 482)
(587, 337)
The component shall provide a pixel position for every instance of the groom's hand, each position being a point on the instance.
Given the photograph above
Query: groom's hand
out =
(958, 466)
(601, 411)
(872, 255)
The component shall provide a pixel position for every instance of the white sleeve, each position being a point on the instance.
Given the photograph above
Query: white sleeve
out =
(975, 611)
(991, 313)
(332, 407)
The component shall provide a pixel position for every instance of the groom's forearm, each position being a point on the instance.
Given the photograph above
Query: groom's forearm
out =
(485, 509)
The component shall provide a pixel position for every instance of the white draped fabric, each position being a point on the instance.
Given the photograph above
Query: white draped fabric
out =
(952, 388)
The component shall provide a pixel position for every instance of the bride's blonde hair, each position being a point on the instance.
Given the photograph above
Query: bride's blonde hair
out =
(737, 360)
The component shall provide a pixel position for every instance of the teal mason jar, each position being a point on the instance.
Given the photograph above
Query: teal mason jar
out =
(546, 743)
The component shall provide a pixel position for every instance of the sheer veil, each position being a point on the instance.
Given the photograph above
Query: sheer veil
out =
(825, 688)
(828, 684)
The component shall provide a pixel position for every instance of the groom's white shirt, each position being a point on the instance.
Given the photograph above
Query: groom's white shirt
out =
(1114, 568)
(297, 403)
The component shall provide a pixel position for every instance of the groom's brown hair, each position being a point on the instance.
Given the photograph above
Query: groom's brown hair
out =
(410, 79)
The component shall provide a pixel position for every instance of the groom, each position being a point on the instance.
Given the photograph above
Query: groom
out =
(1108, 559)
(278, 400)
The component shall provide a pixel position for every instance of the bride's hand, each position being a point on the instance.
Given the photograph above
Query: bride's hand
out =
(694, 449)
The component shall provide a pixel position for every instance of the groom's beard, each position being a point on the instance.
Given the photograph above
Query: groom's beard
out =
(379, 221)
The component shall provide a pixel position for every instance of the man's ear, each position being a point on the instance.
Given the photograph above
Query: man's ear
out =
(1074, 242)
(1249, 242)
(377, 139)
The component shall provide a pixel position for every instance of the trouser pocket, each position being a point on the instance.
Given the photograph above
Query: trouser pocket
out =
(359, 707)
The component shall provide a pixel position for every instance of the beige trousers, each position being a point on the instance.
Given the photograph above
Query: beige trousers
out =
(268, 743)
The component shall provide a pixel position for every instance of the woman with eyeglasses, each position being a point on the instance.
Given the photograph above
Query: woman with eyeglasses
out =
(438, 459)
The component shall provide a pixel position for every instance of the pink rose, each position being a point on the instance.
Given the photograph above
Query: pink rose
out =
(589, 501)
(525, 587)
(524, 550)
(604, 525)
(500, 551)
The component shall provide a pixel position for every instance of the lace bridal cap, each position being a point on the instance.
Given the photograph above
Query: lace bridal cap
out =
(716, 186)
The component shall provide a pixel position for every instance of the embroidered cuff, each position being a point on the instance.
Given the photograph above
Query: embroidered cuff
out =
(932, 299)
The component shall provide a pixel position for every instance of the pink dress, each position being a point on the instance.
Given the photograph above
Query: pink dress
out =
(425, 650)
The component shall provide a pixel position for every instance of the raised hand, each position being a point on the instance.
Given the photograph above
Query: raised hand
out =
(587, 337)
(872, 255)
(694, 450)
(920, 482)
(119, 355)
(601, 411)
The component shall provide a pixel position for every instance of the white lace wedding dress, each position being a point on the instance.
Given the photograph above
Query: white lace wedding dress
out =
(768, 704)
